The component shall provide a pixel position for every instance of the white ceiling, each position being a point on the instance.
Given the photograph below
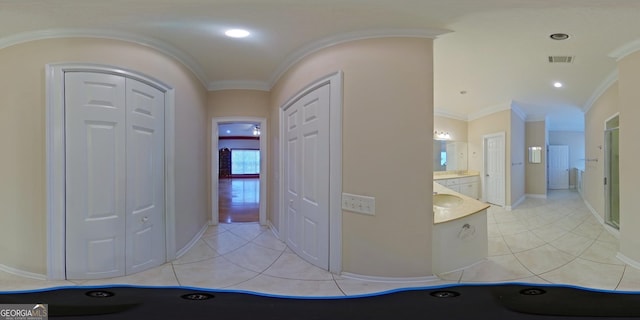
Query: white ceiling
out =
(495, 50)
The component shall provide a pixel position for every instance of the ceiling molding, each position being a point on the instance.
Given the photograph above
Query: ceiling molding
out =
(536, 117)
(519, 112)
(625, 50)
(156, 44)
(490, 110)
(600, 90)
(238, 85)
(451, 115)
(346, 37)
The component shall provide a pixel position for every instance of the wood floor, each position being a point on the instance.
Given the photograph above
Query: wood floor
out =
(239, 200)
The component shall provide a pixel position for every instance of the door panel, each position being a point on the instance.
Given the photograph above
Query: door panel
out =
(95, 175)
(145, 177)
(495, 186)
(558, 167)
(307, 167)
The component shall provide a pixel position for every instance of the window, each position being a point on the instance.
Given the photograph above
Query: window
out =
(245, 161)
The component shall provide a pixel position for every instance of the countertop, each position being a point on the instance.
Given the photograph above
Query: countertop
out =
(468, 207)
(453, 175)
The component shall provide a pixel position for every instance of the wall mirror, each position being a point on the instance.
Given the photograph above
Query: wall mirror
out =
(449, 155)
(535, 154)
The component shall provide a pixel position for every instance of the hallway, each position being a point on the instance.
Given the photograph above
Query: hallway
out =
(547, 241)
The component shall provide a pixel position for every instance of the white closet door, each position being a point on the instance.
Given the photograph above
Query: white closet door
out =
(145, 177)
(307, 176)
(95, 175)
(115, 222)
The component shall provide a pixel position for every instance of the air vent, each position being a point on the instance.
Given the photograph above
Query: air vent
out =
(561, 59)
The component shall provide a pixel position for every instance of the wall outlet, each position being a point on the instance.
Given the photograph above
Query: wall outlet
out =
(358, 203)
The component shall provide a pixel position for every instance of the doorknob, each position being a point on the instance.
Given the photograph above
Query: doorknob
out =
(144, 219)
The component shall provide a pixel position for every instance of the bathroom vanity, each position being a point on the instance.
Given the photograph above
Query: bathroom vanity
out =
(459, 230)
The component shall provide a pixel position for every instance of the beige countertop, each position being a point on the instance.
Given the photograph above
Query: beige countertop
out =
(452, 175)
(468, 207)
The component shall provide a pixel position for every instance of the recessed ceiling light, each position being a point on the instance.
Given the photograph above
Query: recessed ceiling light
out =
(559, 36)
(237, 33)
(557, 84)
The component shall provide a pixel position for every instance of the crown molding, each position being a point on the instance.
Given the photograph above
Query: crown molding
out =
(239, 85)
(604, 85)
(156, 44)
(490, 110)
(625, 50)
(536, 117)
(519, 112)
(347, 37)
(448, 114)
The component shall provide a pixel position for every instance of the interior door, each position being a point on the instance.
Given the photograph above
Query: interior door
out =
(306, 166)
(494, 156)
(95, 175)
(145, 222)
(558, 167)
(114, 149)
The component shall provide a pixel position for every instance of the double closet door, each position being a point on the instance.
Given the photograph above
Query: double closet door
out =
(115, 182)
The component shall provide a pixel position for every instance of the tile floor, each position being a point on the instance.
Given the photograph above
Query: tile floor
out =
(549, 241)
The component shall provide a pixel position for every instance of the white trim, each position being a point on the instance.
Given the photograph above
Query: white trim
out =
(215, 215)
(490, 110)
(335, 165)
(536, 196)
(274, 230)
(628, 260)
(22, 273)
(617, 114)
(451, 115)
(193, 241)
(594, 212)
(516, 204)
(156, 44)
(519, 112)
(604, 86)
(536, 117)
(55, 162)
(484, 166)
(625, 50)
(346, 37)
(360, 277)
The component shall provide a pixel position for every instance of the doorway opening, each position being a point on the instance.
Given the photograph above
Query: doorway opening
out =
(238, 170)
(612, 171)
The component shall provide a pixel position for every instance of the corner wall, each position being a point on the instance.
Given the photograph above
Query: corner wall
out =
(536, 173)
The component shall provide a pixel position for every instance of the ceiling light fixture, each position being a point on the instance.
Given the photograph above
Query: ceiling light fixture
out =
(559, 36)
(237, 33)
(557, 84)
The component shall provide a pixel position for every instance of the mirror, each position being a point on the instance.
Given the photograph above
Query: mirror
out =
(535, 154)
(449, 155)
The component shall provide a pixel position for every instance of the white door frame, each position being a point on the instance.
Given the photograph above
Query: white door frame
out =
(215, 122)
(484, 166)
(335, 166)
(55, 163)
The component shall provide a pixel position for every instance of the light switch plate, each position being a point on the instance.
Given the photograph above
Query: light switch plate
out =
(359, 203)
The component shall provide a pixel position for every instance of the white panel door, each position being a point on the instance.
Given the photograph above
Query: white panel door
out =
(306, 166)
(114, 135)
(95, 175)
(558, 167)
(145, 224)
(495, 188)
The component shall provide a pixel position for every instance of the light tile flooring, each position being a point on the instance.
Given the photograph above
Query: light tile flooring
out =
(545, 241)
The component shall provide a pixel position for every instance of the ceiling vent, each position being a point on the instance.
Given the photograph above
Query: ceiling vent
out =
(561, 59)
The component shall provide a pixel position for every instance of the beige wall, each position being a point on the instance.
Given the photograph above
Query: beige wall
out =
(386, 142)
(536, 173)
(478, 128)
(235, 103)
(457, 128)
(604, 107)
(517, 159)
(22, 139)
(628, 79)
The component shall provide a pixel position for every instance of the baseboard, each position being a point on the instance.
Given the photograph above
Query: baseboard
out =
(516, 204)
(628, 260)
(193, 241)
(22, 273)
(273, 230)
(536, 196)
(593, 211)
(354, 276)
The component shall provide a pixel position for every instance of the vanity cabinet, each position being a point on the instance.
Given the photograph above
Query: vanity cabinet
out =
(469, 186)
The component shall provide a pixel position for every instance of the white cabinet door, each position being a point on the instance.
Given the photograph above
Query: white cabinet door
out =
(306, 169)
(114, 136)
(469, 189)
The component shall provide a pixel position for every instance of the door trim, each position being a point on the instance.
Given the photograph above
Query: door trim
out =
(215, 214)
(335, 165)
(55, 159)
